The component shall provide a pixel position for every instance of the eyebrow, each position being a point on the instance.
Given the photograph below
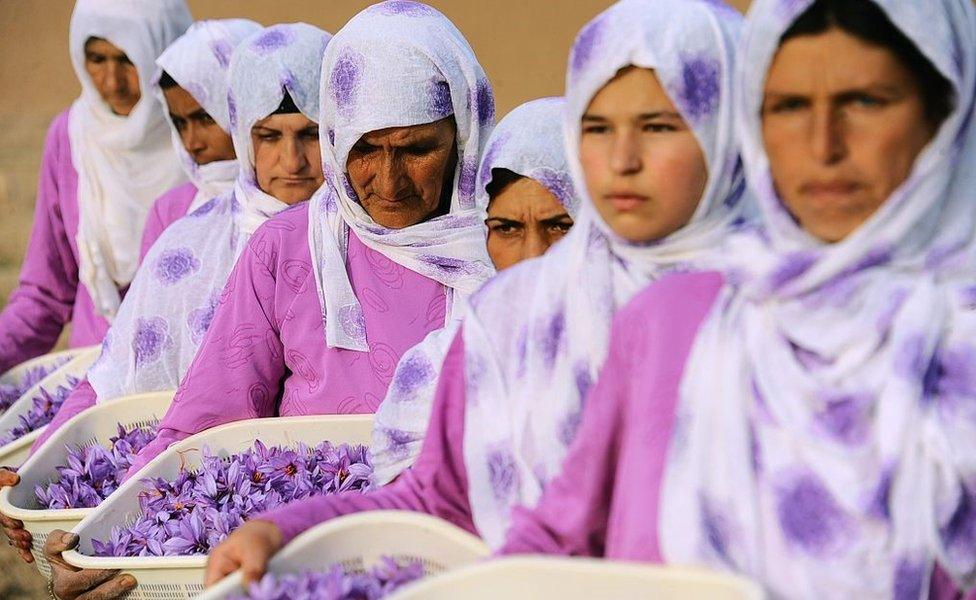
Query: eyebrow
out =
(556, 218)
(871, 87)
(658, 114)
(199, 114)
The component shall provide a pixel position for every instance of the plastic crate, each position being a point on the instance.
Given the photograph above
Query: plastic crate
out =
(16, 452)
(560, 578)
(181, 577)
(358, 541)
(93, 426)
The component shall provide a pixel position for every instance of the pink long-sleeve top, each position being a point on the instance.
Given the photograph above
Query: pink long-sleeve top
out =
(48, 295)
(265, 353)
(167, 209)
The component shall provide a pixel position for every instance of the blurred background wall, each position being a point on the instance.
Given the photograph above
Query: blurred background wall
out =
(523, 45)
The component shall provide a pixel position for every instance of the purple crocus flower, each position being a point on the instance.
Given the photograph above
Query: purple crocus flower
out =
(195, 511)
(336, 583)
(43, 408)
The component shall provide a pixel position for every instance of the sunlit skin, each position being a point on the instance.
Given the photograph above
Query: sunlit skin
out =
(202, 137)
(405, 175)
(842, 122)
(113, 74)
(644, 168)
(287, 157)
(524, 219)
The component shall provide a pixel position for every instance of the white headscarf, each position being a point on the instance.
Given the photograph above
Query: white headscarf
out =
(825, 440)
(398, 64)
(173, 298)
(199, 62)
(528, 142)
(537, 334)
(123, 163)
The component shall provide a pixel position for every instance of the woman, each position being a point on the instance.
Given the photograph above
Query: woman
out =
(172, 299)
(649, 136)
(327, 297)
(817, 433)
(105, 160)
(192, 85)
(524, 181)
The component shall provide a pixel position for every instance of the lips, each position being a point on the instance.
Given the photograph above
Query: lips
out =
(624, 202)
(827, 189)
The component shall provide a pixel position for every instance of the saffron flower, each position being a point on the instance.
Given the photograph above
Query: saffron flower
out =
(192, 513)
(9, 393)
(336, 583)
(45, 405)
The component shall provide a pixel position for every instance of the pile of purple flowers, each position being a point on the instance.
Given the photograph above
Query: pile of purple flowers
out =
(196, 511)
(94, 472)
(336, 583)
(45, 405)
(10, 392)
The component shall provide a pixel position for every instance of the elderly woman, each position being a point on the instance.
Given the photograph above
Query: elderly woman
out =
(171, 303)
(649, 137)
(192, 84)
(808, 421)
(105, 160)
(525, 183)
(326, 297)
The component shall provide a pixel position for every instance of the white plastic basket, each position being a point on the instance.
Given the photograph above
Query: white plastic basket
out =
(358, 541)
(560, 578)
(181, 577)
(93, 426)
(16, 452)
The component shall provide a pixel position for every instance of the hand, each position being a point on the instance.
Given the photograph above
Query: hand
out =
(71, 583)
(248, 549)
(19, 537)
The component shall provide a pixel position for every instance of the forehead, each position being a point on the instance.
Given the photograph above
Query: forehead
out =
(832, 60)
(286, 122)
(103, 46)
(180, 101)
(440, 129)
(634, 90)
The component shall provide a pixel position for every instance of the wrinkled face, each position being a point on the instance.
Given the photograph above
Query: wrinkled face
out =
(842, 123)
(287, 158)
(524, 219)
(113, 74)
(201, 135)
(405, 175)
(644, 169)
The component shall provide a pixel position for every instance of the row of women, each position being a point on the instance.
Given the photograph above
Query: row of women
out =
(753, 351)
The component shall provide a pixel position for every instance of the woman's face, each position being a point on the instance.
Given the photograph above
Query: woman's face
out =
(202, 137)
(524, 219)
(842, 123)
(644, 169)
(405, 175)
(113, 74)
(287, 158)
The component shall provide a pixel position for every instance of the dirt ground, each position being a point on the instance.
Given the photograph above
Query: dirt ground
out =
(522, 45)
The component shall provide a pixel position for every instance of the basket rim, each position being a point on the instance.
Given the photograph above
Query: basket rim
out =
(598, 566)
(20, 368)
(18, 444)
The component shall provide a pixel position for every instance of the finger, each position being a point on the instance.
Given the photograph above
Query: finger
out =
(219, 565)
(25, 555)
(115, 587)
(8, 478)
(254, 562)
(84, 580)
(10, 522)
(60, 541)
(25, 544)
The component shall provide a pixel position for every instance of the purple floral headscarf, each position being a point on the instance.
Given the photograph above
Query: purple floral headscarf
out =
(199, 62)
(172, 300)
(397, 64)
(825, 439)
